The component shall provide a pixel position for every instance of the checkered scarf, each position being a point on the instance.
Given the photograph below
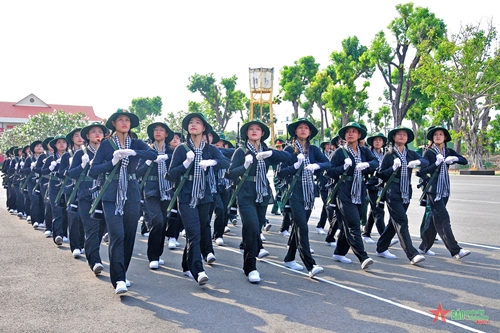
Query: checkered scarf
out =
(307, 180)
(121, 194)
(404, 184)
(94, 182)
(162, 171)
(260, 176)
(221, 180)
(358, 177)
(443, 184)
(198, 190)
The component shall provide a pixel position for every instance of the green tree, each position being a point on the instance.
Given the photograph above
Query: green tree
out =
(352, 63)
(493, 135)
(380, 120)
(146, 106)
(416, 31)
(174, 120)
(315, 94)
(222, 99)
(295, 80)
(467, 68)
(41, 126)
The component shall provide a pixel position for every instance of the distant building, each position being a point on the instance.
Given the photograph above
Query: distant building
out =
(12, 113)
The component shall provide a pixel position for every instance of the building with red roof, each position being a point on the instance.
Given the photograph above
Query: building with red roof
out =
(12, 113)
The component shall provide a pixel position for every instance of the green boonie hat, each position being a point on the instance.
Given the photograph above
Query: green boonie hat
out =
(222, 136)
(322, 144)
(45, 142)
(381, 135)
(69, 136)
(187, 119)
(293, 126)
(16, 150)
(52, 142)
(26, 147)
(244, 129)
(335, 141)
(408, 131)
(151, 128)
(215, 135)
(10, 151)
(279, 142)
(87, 129)
(134, 120)
(33, 144)
(355, 125)
(432, 129)
(180, 136)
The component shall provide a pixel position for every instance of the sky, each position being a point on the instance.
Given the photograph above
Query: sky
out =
(105, 53)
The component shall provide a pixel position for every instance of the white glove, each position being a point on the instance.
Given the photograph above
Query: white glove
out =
(450, 159)
(312, 167)
(189, 159)
(204, 164)
(413, 164)
(16, 166)
(396, 164)
(58, 160)
(248, 161)
(21, 164)
(33, 165)
(70, 160)
(161, 158)
(347, 163)
(85, 160)
(439, 159)
(127, 152)
(117, 156)
(263, 155)
(148, 162)
(362, 165)
(300, 159)
(52, 165)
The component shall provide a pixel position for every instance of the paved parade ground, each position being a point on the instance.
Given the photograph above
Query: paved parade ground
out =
(44, 289)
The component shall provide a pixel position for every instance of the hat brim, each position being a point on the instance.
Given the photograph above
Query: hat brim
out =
(87, 129)
(52, 142)
(369, 140)
(430, 134)
(408, 131)
(33, 144)
(151, 128)
(134, 120)
(244, 129)
(293, 126)
(360, 129)
(69, 136)
(187, 119)
(215, 136)
(228, 143)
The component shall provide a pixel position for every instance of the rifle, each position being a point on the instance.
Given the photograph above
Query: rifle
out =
(79, 181)
(240, 184)
(181, 183)
(23, 186)
(238, 137)
(108, 180)
(381, 197)
(336, 187)
(298, 174)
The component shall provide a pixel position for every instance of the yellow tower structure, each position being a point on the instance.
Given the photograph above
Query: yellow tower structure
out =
(261, 93)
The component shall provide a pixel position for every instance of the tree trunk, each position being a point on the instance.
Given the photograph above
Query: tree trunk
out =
(415, 131)
(295, 109)
(474, 150)
(456, 127)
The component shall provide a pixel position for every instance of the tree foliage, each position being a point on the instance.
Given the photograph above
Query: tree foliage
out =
(146, 106)
(221, 100)
(41, 126)
(466, 68)
(295, 80)
(343, 95)
(416, 31)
